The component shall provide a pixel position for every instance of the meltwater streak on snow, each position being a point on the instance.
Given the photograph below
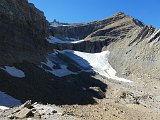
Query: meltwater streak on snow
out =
(7, 101)
(98, 62)
(14, 71)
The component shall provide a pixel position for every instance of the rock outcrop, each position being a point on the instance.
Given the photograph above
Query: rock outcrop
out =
(22, 33)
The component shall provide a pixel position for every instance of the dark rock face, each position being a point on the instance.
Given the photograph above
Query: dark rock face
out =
(41, 86)
(22, 33)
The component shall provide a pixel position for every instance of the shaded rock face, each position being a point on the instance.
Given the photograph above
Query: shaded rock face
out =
(41, 86)
(22, 33)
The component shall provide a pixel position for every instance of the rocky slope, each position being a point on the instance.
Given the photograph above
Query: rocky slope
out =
(22, 33)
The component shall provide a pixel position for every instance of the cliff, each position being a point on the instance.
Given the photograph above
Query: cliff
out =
(22, 33)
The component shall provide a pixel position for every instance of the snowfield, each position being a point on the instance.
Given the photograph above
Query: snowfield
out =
(7, 101)
(89, 62)
(97, 62)
(13, 71)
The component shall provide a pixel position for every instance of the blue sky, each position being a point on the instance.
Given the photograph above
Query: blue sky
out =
(73, 11)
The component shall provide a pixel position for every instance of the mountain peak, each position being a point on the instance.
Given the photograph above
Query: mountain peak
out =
(120, 13)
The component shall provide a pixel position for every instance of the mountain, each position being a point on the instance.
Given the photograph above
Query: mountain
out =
(133, 45)
(81, 31)
(106, 69)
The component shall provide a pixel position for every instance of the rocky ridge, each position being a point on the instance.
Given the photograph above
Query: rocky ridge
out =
(81, 31)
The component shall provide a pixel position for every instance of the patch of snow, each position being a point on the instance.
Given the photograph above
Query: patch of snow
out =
(55, 40)
(62, 40)
(78, 41)
(61, 72)
(49, 63)
(7, 101)
(14, 71)
(52, 60)
(3, 108)
(98, 62)
(58, 24)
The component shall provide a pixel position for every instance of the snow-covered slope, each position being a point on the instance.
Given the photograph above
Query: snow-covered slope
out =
(13, 71)
(89, 62)
(7, 101)
(56, 66)
(97, 62)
